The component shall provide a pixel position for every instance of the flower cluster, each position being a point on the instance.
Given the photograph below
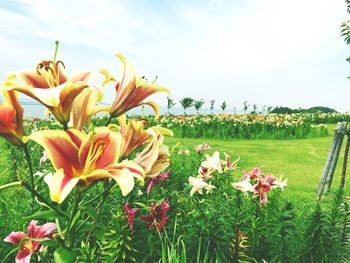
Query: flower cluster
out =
(83, 155)
(206, 170)
(259, 184)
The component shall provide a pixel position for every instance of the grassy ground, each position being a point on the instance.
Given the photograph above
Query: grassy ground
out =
(301, 161)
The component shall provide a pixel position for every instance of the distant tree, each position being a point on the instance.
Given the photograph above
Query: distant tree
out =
(320, 109)
(223, 106)
(255, 107)
(263, 109)
(234, 110)
(171, 104)
(212, 102)
(245, 106)
(198, 104)
(186, 102)
(269, 109)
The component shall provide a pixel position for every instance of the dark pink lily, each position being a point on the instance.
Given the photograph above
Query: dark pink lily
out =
(157, 217)
(131, 213)
(155, 180)
(29, 246)
(260, 190)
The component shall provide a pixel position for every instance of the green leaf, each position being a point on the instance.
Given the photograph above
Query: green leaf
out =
(43, 215)
(63, 255)
(92, 212)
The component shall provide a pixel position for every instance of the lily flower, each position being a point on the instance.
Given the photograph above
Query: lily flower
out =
(157, 179)
(205, 172)
(81, 160)
(200, 148)
(213, 162)
(244, 185)
(29, 246)
(11, 119)
(84, 107)
(260, 189)
(131, 213)
(134, 135)
(155, 158)
(49, 84)
(228, 164)
(131, 90)
(157, 217)
(254, 174)
(198, 185)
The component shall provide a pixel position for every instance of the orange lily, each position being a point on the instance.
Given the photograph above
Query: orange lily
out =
(84, 107)
(81, 160)
(155, 158)
(50, 85)
(131, 90)
(11, 117)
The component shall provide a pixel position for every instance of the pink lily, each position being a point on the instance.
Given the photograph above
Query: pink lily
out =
(228, 164)
(131, 213)
(200, 148)
(155, 180)
(260, 189)
(157, 217)
(29, 246)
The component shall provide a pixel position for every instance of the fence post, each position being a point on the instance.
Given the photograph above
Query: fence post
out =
(332, 159)
(345, 161)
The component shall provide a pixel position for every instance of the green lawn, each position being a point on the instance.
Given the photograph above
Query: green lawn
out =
(301, 161)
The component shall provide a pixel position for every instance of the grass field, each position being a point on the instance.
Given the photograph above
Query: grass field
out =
(301, 161)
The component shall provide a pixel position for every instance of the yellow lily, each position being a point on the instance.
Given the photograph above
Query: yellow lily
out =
(50, 85)
(131, 90)
(155, 158)
(11, 117)
(81, 160)
(84, 107)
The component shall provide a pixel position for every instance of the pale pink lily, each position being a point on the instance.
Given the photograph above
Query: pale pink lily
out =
(198, 185)
(28, 245)
(205, 172)
(81, 160)
(131, 90)
(200, 148)
(245, 186)
(213, 162)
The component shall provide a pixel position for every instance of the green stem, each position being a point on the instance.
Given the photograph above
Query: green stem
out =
(55, 54)
(10, 185)
(74, 212)
(65, 126)
(42, 199)
(108, 120)
(30, 167)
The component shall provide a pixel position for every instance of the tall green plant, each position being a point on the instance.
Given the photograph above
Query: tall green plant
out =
(198, 104)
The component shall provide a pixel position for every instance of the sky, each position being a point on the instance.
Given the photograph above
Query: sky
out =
(271, 52)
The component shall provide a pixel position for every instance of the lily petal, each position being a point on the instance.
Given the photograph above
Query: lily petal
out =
(60, 185)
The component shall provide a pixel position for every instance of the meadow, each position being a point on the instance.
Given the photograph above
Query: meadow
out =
(202, 188)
